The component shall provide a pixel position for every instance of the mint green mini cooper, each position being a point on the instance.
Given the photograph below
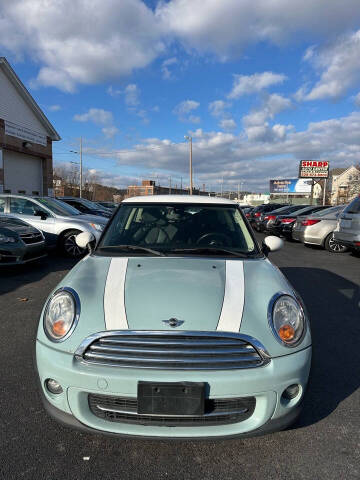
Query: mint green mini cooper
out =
(176, 325)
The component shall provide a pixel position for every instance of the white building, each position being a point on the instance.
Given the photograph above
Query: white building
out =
(256, 198)
(26, 137)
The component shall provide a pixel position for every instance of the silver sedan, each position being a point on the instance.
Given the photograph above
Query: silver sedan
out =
(318, 229)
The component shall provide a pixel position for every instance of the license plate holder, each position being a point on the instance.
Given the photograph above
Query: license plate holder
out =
(171, 398)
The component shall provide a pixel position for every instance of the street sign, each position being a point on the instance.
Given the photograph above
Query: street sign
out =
(313, 169)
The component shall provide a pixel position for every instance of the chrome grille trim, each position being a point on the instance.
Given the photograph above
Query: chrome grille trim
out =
(172, 350)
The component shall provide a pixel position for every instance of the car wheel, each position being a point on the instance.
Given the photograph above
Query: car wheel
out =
(332, 246)
(69, 246)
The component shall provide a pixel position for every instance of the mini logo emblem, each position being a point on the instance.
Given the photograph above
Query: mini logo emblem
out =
(173, 322)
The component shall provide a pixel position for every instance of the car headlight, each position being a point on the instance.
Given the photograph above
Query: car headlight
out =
(61, 314)
(5, 239)
(97, 226)
(287, 319)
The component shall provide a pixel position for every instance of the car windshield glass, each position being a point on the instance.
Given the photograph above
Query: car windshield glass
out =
(329, 211)
(354, 206)
(281, 209)
(193, 229)
(58, 207)
(92, 205)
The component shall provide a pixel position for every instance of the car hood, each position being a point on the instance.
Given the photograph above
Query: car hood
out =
(9, 228)
(207, 294)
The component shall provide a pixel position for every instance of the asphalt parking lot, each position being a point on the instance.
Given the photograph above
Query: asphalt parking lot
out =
(325, 443)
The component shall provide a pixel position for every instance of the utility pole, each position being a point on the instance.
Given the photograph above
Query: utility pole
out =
(81, 170)
(238, 194)
(169, 185)
(324, 193)
(190, 164)
(221, 191)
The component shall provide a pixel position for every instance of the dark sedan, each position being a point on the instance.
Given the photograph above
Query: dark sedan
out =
(19, 242)
(284, 223)
(87, 207)
(257, 211)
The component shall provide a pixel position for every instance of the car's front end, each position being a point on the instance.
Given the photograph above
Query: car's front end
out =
(20, 243)
(174, 345)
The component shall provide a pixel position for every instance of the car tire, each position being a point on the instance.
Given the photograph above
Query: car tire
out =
(333, 247)
(68, 245)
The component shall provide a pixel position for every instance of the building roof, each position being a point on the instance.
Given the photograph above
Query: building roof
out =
(194, 199)
(337, 171)
(15, 80)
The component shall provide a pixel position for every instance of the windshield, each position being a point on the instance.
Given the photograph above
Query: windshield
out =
(330, 211)
(354, 206)
(172, 227)
(92, 205)
(13, 221)
(58, 207)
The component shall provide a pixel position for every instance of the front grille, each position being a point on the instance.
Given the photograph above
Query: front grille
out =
(30, 238)
(178, 350)
(218, 411)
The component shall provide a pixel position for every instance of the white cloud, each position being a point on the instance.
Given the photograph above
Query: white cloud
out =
(217, 108)
(226, 27)
(248, 84)
(78, 42)
(113, 92)
(184, 108)
(357, 100)
(227, 124)
(81, 42)
(166, 72)
(54, 108)
(271, 106)
(110, 131)
(95, 115)
(132, 93)
(254, 160)
(338, 65)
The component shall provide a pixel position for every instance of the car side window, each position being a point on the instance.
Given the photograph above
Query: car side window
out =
(2, 205)
(22, 206)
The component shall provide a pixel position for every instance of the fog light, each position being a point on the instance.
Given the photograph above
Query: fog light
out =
(53, 386)
(291, 391)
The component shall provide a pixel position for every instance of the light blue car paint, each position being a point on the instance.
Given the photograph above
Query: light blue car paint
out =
(185, 288)
(164, 283)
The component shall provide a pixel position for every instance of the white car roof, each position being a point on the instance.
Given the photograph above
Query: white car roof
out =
(194, 199)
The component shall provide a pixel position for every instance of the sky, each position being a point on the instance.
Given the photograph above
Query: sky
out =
(257, 84)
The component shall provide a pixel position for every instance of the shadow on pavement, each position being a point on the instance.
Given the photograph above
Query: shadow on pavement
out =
(333, 303)
(18, 276)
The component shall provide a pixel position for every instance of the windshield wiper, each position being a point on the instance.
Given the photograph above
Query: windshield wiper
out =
(209, 250)
(134, 248)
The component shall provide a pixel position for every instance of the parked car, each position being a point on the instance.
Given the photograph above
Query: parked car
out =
(59, 222)
(275, 225)
(19, 242)
(257, 211)
(347, 231)
(318, 229)
(266, 218)
(86, 206)
(187, 325)
(288, 221)
(247, 211)
(110, 205)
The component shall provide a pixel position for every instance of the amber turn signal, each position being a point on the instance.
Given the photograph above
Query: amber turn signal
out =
(59, 328)
(286, 333)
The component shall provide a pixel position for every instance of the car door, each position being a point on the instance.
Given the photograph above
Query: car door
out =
(30, 211)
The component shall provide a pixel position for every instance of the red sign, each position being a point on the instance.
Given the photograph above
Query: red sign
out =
(313, 169)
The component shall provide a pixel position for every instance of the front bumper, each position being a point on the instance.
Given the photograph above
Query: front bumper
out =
(21, 253)
(266, 384)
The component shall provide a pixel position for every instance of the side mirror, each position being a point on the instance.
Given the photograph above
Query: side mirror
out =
(40, 213)
(272, 244)
(84, 240)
